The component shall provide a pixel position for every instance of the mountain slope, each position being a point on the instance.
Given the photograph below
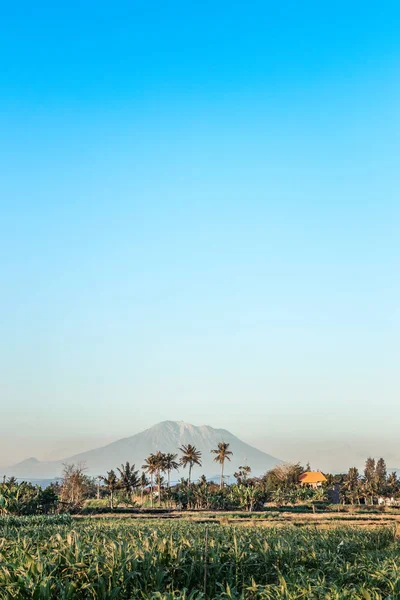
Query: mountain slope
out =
(167, 436)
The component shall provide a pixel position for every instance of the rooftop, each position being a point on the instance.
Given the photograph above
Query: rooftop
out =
(312, 477)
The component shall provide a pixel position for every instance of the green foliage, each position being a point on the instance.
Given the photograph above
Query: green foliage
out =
(129, 477)
(49, 558)
(248, 497)
(279, 486)
(34, 521)
(284, 496)
(26, 499)
(190, 457)
(112, 483)
(242, 474)
(373, 484)
(222, 453)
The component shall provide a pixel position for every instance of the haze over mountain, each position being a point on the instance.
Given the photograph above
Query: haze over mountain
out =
(166, 436)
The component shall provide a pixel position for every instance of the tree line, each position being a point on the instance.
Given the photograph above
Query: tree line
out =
(127, 486)
(156, 466)
(372, 484)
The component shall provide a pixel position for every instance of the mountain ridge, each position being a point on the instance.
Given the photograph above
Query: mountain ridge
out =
(167, 436)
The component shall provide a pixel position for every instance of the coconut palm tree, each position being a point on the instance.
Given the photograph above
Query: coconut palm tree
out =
(370, 479)
(352, 485)
(190, 456)
(129, 477)
(143, 483)
(150, 467)
(222, 454)
(170, 464)
(159, 459)
(11, 481)
(111, 481)
(381, 476)
(392, 483)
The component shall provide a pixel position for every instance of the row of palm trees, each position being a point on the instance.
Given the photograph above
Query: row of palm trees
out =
(375, 482)
(159, 463)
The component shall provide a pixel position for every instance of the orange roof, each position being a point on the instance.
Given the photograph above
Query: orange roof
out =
(312, 477)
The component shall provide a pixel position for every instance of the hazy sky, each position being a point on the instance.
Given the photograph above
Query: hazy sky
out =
(200, 220)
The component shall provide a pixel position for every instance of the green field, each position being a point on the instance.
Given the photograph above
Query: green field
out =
(56, 557)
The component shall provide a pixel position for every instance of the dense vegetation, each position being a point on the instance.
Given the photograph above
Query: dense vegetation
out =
(126, 487)
(104, 559)
(26, 499)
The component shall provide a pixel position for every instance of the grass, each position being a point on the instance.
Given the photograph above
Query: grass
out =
(60, 558)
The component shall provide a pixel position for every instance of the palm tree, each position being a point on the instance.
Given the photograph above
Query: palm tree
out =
(11, 481)
(143, 482)
(160, 467)
(190, 456)
(381, 477)
(150, 466)
(370, 479)
(111, 481)
(223, 453)
(392, 483)
(170, 464)
(351, 485)
(330, 480)
(129, 477)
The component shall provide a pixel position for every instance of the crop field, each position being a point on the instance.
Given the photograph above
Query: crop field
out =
(61, 558)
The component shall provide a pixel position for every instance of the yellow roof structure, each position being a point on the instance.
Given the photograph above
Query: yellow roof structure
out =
(312, 477)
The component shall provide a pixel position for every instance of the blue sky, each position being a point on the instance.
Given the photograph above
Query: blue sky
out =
(200, 221)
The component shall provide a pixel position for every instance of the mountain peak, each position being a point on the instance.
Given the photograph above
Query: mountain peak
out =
(179, 423)
(166, 436)
(32, 460)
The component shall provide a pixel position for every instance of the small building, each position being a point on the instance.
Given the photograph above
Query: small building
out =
(312, 479)
(385, 501)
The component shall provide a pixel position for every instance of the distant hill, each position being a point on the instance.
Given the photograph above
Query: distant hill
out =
(167, 436)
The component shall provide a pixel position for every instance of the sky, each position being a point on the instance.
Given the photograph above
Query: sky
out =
(199, 221)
